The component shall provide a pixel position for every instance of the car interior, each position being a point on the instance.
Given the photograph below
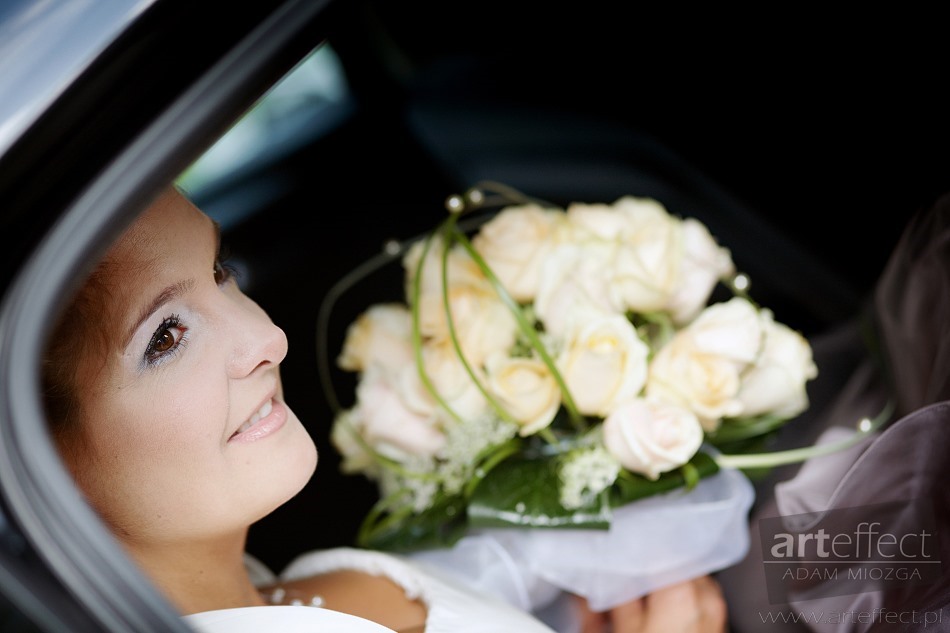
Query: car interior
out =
(403, 107)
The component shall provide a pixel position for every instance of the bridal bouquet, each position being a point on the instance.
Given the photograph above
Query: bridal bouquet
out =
(553, 365)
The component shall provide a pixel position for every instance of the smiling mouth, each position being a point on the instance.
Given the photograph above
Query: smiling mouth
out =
(263, 412)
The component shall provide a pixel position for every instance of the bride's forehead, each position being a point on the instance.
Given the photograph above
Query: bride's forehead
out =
(171, 218)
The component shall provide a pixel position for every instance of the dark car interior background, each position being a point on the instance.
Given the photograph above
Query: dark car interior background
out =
(805, 161)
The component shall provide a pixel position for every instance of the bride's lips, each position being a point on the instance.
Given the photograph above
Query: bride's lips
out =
(265, 421)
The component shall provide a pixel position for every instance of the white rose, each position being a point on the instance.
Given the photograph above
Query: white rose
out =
(603, 362)
(704, 264)
(449, 378)
(596, 221)
(649, 263)
(776, 382)
(575, 279)
(619, 221)
(731, 329)
(388, 425)
(460, 267)
(527, 390)
(701, 367)
(381, 336)
(344, 435)
(649, 248)
(515, 243)
(650, 437)
(482, 323)
(706, 384)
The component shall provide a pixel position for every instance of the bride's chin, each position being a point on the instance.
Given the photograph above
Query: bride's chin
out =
(301, 462)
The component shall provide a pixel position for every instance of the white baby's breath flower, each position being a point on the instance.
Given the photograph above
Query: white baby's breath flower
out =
(420, 491)
(584, 474)
(603, 362)
(465, 443)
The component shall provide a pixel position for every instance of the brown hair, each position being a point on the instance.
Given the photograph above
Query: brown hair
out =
(75, 350)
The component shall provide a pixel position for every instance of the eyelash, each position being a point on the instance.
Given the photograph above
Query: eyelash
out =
(152, 355)
(223, 273)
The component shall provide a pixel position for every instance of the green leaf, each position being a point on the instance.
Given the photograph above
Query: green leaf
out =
(631, 487)
(441, 525)
(525, 492)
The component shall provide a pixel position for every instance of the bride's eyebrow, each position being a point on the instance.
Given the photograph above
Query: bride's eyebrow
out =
(168, 293)
(172, 291)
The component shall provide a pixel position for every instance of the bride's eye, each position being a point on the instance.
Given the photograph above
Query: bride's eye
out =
(167, 339)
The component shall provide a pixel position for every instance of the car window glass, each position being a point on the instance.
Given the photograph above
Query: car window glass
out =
(306, 100)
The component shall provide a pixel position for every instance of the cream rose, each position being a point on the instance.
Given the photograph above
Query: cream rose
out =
(648, 264)
(449, 378)
(527, 390)
(481, 322)
(344, 435)
(576, 280)
(381, 336)
(390, 426)
(731, 329)
(603, 362)
(650, 437)
(650, 247)
(704, 264)
(776, 383)
(596, 221)
(701, 367)
(515, 243)
(460, 267)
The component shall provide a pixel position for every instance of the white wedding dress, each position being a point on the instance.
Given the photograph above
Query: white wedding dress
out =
(452, 607)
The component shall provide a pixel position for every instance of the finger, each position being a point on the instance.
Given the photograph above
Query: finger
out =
(588, 621)
(673, 609)
(712, 605)
(629, 617)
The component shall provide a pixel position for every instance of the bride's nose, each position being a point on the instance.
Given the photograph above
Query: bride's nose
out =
(257, 341)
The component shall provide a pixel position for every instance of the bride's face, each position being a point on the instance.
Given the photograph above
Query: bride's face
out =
(183, 431)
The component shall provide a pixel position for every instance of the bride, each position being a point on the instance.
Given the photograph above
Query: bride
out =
(164, 397)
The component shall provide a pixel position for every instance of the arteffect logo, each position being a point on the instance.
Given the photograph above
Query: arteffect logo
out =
(849, 550)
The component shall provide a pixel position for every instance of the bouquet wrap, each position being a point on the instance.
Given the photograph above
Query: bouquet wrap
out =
(651, 543)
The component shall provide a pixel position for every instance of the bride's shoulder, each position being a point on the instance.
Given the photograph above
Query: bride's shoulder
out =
(448, 604)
